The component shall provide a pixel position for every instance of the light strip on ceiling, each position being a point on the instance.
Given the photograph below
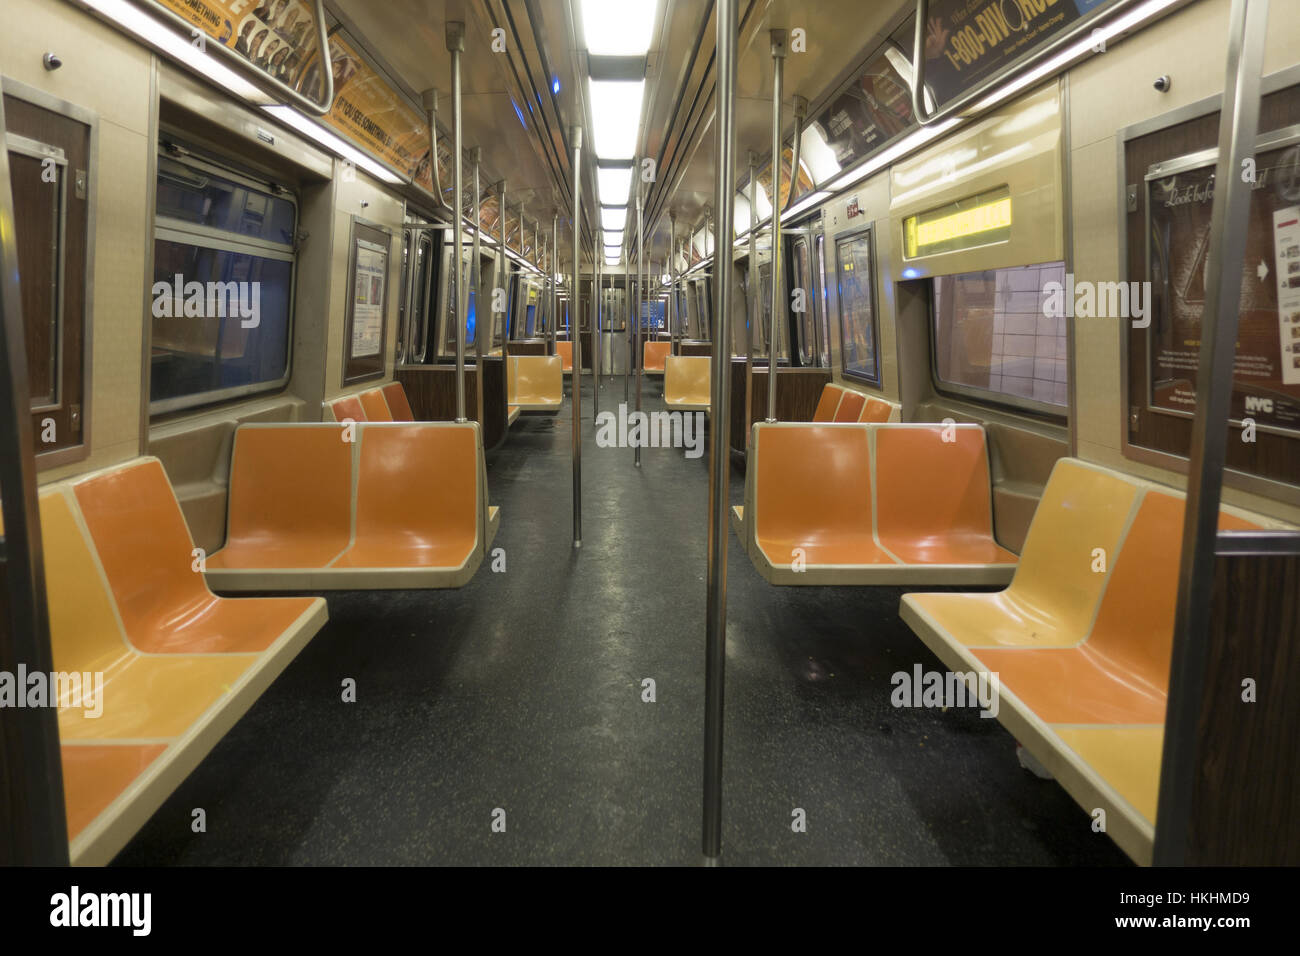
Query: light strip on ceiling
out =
(613, 183)
(291, 117)
(156, 34)
(616, 116)
(618, 27)
(613, 218)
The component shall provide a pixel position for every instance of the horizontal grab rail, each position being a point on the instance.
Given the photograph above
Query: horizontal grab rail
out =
(1257, 543)
(259, 77)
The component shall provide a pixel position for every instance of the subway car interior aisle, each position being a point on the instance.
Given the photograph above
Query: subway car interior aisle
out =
(629, 433)
(526, 691)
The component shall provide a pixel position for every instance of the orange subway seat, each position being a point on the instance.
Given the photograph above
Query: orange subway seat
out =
(398, 523)
(94, 775)
(876, 411)
(934, 497)
(654, 354)
(813, 493)
(850, 406)
(828, 403)
(565, 351)
(1120, 674)
(375, 406)
(147, 555)
(290, 502)
(398, 406)
(687, 382)
(349, 406)
(1054, 593)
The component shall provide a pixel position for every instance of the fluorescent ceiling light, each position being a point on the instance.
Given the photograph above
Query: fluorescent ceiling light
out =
(613, 217)
(622, 28)
(817, 155)
(613, 184)
(291, 117)
(613, 237)
(616, 117)
(159, 35)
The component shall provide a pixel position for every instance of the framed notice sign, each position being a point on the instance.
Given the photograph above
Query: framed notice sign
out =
(1266, 373)
(1167, 196)
(365, 332)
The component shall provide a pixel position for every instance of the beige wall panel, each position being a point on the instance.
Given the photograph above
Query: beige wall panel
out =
(107, 74)
(103, 70)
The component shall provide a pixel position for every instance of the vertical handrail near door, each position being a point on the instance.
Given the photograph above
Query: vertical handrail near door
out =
(476, 286)
(575, 337)
(715, 639)
(1229, 219)
(642, 301)
(33, 827)
(456, 46)
(778, 69)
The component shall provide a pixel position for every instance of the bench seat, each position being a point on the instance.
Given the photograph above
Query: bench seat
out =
(829, 504)
(687, 383)
(180, 665)
(402, 505)
(653, 356)
(1081, 640)
(840, 404)
(535, 383)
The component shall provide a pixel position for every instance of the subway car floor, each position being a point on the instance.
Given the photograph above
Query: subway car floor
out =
(523, 692)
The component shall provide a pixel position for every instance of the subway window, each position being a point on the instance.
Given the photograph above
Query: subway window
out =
(993, 339)
(222, 299)
(859, 337)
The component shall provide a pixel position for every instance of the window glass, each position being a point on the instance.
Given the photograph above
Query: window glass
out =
(992, 335)
(859, 340)
(222, 296)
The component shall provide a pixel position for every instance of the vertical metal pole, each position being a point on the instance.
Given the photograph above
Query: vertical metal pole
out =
(628, 307)
(1230, 215)
(773, 352)
(456, 45)
(554, 271)
(715, 654)
(672, 282)
(575, 335)
(503, 273)
(597, 260)
(753, 312)
(641, 298)
(476, 286)
(33, 824)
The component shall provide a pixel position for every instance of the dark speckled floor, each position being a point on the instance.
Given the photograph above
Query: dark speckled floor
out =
(522, 691)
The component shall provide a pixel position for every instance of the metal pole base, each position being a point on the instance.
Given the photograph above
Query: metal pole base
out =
(712, 861)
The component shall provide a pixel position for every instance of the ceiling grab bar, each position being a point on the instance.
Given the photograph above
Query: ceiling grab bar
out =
(259, 77)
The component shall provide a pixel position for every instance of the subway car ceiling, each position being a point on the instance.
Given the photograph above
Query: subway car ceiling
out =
(996, 229)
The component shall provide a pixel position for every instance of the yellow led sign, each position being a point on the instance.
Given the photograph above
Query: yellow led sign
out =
(971, 222)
